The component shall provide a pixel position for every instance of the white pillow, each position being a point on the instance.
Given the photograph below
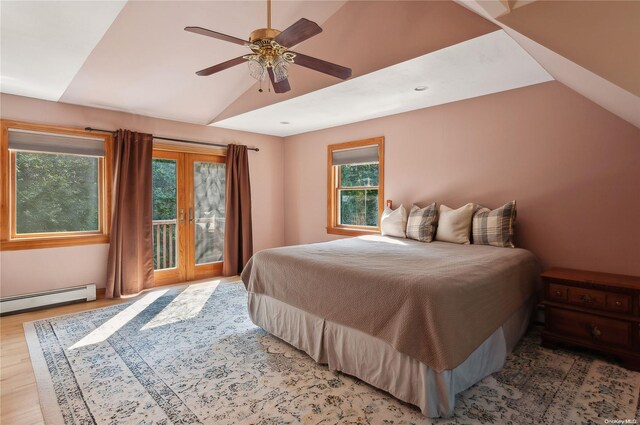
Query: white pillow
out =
(455, 225)
(394, 222)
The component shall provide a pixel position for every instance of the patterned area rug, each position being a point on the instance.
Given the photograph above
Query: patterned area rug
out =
(192, 356)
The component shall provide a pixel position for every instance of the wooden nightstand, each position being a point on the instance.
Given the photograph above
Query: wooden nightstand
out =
(599, 311)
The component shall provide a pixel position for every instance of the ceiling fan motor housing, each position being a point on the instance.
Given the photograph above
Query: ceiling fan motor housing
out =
(263, 33)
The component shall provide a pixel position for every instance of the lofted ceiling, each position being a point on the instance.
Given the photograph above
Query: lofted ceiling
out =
(146, 63)
(135, 56)
(140, 60)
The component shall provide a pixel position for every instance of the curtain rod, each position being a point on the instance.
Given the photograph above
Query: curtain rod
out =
(171, 139)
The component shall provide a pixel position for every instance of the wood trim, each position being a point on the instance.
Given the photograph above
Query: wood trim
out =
(101, 293)
(9, 240)
(41, 243)
(4, 182)
(192, 149)
(332, 189)
(357, 143)
(350, 231)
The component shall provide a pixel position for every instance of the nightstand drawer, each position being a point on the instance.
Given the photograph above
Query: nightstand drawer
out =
(619, 302)
(595, 329)
(558, 292)
(589, 298)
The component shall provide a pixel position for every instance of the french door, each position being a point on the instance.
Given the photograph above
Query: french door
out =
(188, 215)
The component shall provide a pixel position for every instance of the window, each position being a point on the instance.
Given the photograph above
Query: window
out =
(355, 197)
(54, 186)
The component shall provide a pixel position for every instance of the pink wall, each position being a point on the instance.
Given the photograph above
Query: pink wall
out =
(44, 269)
(573, 167)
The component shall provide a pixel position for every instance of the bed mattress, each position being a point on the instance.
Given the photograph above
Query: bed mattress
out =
(433, 302)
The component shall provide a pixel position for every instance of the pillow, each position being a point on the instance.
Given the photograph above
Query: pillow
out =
(495, 227)
(455, 225)
(394, 222)
(421, 224)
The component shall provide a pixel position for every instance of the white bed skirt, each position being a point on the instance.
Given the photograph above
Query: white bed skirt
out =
(374, 361)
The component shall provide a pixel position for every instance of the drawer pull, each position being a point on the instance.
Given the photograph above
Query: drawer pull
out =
(595, 332)
(558, 293)
(618, 303)
(586, 298)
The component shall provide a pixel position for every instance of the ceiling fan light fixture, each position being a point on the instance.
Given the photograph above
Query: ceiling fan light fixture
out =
(270, 54)
(280, 69)
(257, 67)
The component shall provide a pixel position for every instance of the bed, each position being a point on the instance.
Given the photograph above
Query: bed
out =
(422, 321)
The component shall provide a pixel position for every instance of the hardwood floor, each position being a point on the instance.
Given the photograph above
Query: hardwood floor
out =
(19, 403)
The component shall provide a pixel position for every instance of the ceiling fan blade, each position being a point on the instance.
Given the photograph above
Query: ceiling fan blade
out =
(218, 35)
(298, 32)
(322, 66)
(221, 66)
(280, 87)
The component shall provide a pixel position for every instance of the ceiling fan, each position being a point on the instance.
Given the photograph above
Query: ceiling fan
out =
(271, 55)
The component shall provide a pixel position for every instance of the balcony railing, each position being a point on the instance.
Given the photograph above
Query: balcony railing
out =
(209, 238)
(164, 244)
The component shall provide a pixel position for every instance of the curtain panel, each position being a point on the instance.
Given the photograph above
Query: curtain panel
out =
(238, 233)
(130, 262)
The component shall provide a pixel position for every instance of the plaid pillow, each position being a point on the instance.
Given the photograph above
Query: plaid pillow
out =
(494, 227)
(421, 224)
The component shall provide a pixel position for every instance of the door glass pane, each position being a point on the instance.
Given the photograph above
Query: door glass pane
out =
(359, 207)
(165, 229)
(208, 194)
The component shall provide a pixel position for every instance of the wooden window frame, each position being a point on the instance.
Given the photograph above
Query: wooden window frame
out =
(9, 240)
(333, 178)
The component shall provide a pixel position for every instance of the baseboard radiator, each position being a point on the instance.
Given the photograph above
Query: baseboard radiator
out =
(27, 302)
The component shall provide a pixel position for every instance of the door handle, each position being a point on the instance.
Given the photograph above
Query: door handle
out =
(191, 215)
(181, 215)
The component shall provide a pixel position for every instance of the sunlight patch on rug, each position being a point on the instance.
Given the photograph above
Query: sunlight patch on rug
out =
(185, 306)
(112, 325)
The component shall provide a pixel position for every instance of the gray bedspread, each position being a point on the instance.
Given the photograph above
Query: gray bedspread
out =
(436, 302)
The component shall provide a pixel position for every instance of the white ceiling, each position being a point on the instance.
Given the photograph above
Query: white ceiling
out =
(44, 43)
(487, 64)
